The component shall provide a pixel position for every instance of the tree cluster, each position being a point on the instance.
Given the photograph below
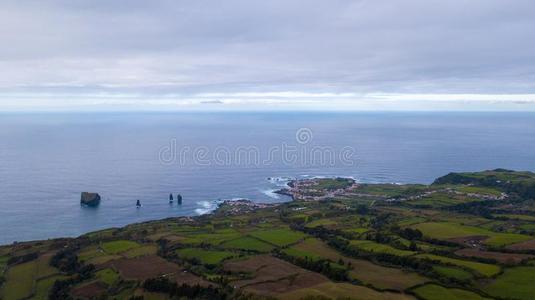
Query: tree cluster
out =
(173, 289)
(323, 266)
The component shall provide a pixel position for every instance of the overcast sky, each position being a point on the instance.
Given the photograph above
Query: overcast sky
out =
(332, 54)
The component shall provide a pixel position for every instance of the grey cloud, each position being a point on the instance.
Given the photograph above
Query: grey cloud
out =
(211, 102)
(161, 47)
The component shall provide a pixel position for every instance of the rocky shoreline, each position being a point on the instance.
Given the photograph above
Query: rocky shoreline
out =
(310, 189)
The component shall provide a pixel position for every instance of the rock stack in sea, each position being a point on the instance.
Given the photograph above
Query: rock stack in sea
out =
(90, 199)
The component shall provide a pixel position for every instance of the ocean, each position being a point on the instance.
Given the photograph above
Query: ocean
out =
(48, 159)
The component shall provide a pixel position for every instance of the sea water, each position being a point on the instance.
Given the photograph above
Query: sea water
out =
(48, 159)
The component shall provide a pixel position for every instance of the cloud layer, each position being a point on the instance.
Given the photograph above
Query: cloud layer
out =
(141, 53)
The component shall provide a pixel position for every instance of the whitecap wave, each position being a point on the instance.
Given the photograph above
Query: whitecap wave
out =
(207, 206)
(271, 193)
(280, 181)
(235, 199)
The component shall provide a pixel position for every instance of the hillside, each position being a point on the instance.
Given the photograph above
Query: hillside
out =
(466, 236)
(521, 183)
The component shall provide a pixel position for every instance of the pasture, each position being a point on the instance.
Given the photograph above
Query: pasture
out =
(43, 286)
(451, 272)
(331, 290)
(248, 243)
(116, 247)
(367, 272)
(374, 247)
(513, 283)
(437, 292)
(279, 237)
(450, 230)
(19, 281)
(209, 257)
(108, 276)
(480, 268)
(141, 251)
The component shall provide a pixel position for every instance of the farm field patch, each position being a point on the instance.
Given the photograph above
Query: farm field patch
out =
(371, 246)
(117, 247)
(210, 257)
(333, 290)
(450, 230)
(481, 268)
(19, 281)
(437, 292)
(513, 283)
(278, 237)
(248, 243)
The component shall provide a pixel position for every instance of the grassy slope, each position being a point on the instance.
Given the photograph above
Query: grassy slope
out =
(515, 283)
(20, 280)
(437, 292)
(447, 230)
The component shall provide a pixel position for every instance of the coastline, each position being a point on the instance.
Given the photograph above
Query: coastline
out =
(236, 206)
(336, 219)
(311, 189)
(239, 205)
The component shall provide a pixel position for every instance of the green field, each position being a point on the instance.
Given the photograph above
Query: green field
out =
(503, 239)
(411, 221)
(88, 253)
(102, 259)
(44, 268)
(19, 281)
(517, 217)
(3, 262)
(248, 243)
(209, 257)
(513, 283)
(378, 276)
(390, 190)
(116, 247)
(356, 231)
(317, 247)
(108, 276)
(278, 237)
(212, 238)
(141, 251)
(455, 273)
(372, 246)
(447, 230)
(479, 190)
(342, 291)
(106, 233)
(439, 200)
(301, 254)
(437, 292)
(43, 287)
(481, 268)
(321, 222)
